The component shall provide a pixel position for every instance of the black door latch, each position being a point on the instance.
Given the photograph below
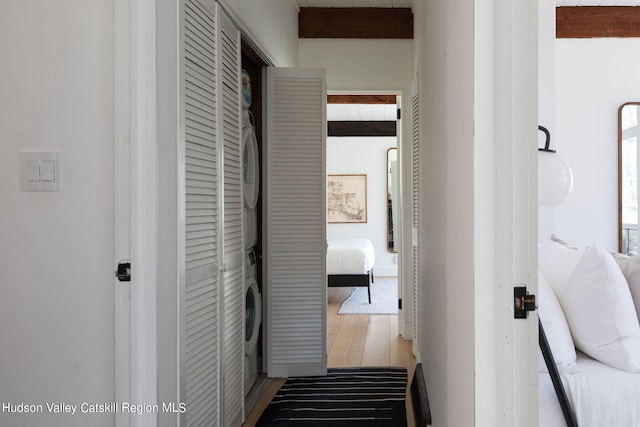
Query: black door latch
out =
(523, 302)
(123, 273)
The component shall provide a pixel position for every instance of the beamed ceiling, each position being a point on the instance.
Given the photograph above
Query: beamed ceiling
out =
(409, 3)
(574, 19)
(355, 3)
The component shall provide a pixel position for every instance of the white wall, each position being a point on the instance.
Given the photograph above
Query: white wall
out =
(360, 65)
(360, 155)
(272, 25)
(356, 65)
(546, 96)
(445, 57)
(56, 281)
(593, 78)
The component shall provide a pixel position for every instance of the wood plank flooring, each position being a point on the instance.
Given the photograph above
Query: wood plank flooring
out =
(354, 340)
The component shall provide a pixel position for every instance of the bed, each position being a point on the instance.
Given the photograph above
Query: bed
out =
(350, 263)
(589, 307)
(598, 395)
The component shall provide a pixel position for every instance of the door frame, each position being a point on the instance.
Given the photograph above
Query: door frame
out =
(135, 203)
(505, 229)
(405, 287)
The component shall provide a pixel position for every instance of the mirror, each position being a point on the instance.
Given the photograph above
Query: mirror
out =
(628, 133)
(392, 197)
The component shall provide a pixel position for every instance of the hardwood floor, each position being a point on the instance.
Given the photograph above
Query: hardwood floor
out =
(354, 340)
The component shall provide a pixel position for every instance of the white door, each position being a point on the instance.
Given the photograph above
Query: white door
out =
(233, 309)
(505, 179)
(415, 180)
(199, 314)
(135, 201)
(295, 226)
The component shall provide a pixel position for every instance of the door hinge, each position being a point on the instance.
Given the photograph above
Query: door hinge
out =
(399, 113)
(523, 302)
(123, 273)
(399, 303)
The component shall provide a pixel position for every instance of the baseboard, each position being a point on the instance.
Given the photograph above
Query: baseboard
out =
(385, 271)
(254, 394)
(408, 331)
(419, 398)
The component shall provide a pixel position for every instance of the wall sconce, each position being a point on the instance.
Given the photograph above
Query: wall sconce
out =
(555, 177)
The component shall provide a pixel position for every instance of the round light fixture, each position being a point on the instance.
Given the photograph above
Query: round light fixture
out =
(555, 177)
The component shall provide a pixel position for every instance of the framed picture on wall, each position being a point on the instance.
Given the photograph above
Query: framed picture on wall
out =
(347, 199)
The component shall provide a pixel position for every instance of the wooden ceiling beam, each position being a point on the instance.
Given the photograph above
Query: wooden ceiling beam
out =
(361, 99)
(355, 23)
(361, 128)
(597, 21)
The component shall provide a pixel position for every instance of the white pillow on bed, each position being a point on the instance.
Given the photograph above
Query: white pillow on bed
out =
(556, 330)
(599, 309)
(556, 262)
(630, 267)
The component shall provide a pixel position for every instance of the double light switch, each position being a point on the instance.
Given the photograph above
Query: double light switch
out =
(39, 171)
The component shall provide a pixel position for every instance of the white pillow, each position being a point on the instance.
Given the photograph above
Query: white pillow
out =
(630, 267)
(556, 329)
(556, 263)
(564, 243)
(599, 309)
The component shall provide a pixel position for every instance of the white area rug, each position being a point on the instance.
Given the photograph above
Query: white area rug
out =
(384, 299)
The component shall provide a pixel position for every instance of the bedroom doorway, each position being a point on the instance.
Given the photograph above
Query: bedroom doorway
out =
(363, 142)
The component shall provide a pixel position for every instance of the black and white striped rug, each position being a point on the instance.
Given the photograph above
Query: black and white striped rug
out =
(346, 397)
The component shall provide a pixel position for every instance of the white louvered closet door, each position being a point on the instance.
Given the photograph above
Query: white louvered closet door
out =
(295, 193)
(199, 324)
(229, 123)
(415, 212)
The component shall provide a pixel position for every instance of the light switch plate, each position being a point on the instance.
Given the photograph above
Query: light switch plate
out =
(40, 171)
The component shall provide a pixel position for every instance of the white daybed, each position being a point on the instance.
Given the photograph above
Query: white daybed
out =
(350, 263)
(589, 301)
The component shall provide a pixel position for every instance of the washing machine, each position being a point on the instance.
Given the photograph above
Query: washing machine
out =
(253, 320)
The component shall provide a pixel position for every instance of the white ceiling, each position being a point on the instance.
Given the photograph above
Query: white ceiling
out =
(361, 112)
(355, 3)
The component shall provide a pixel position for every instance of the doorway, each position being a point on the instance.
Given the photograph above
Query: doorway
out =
(252, 85)
(362, 145)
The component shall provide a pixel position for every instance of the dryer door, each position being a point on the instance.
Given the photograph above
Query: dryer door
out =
(250, 168)
(253, 316)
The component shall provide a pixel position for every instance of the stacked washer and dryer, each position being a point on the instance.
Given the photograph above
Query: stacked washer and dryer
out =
(251, 190)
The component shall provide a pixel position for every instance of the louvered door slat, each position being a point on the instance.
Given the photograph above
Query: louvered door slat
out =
(415, 212)
(199, 155)
(199, 103)
(296, 224)
(229, 123)
(200, 310)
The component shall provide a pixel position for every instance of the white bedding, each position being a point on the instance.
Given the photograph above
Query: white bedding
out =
(600, 396)
(350, 256)
(549, 411)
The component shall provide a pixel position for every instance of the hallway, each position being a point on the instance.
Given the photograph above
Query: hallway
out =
(355, 340)
(363, 339)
